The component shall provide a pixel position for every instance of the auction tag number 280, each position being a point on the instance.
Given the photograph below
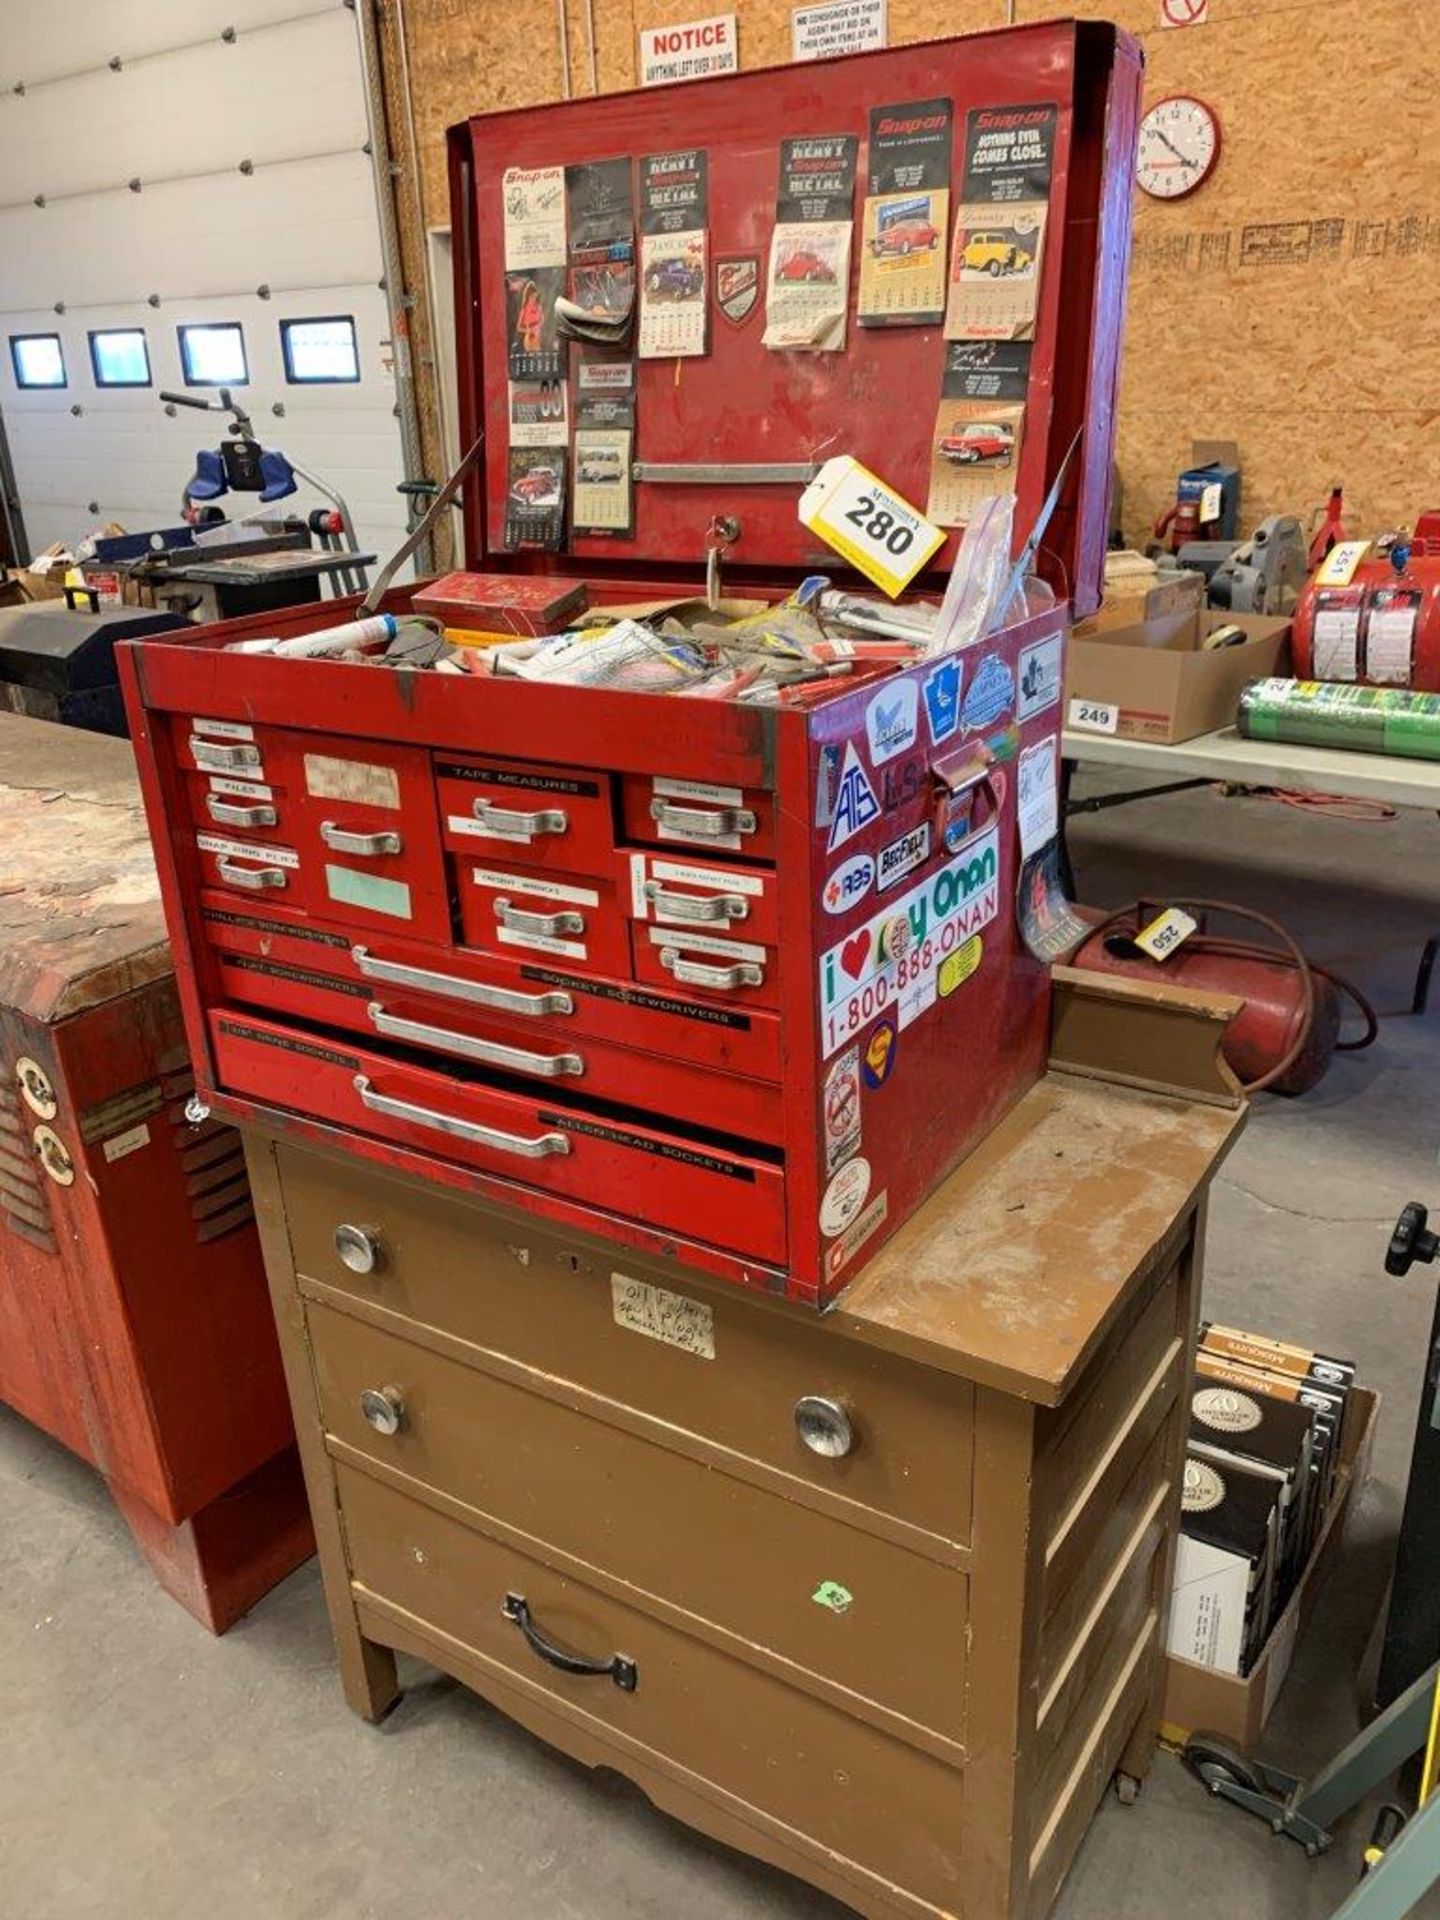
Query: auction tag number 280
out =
(868, 524)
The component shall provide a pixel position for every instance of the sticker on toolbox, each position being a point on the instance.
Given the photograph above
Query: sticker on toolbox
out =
(848, 885)
(360, 781)
(960, 965)
(531, 778)
(991, 695)
(891, 962)
(223, 729)
(240, 789)
(892, 721)
(831, 1594)
(272, 929)
(372, 891)
(122, 1145)
(842, 1109)
(666, 789)
(942, 700)
(288, 1043)
(854, 1237)
(642, 997)
(299, 976)
(660, 1314)
(542, 943)
(902, 856)
(855, 802)
(679, 873)
(691, 942)
(1039, 677)
(882, 1050)
(1038, 794)
(532, 883)
(246, 850)
(846, 1194)
(569, 1122)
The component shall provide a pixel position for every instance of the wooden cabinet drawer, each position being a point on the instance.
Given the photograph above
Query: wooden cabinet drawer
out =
(860, 1612)
(542, 1306)
(786, 1761)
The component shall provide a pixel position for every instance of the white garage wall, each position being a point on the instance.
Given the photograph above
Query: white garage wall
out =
(287, 96)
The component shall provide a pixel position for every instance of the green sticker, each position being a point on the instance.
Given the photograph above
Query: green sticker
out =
(371, 890)
(831, 1594)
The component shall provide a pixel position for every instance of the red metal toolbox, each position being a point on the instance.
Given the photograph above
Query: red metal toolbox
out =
(738, 984)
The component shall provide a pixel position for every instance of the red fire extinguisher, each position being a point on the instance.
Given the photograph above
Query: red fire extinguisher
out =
(1289, 1027)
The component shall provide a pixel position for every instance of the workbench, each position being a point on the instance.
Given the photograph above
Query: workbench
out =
(1226, 755)
(134, 1323)
(875, 1595)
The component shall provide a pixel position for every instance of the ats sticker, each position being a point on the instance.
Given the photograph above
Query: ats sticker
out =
(737, 287)
(902, 856)
(842, 1109)
(891, 963)
(892, 721)
(855, 802)
(942, 700)
(880, 1051)
(848, 885)
(1039, 677)
(846, 1194)
(991, 695)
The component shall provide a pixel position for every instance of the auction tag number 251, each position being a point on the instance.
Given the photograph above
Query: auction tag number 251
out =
(868, 524)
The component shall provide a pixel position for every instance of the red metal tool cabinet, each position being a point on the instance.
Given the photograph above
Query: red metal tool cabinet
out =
(135, 1325)
(735, 984)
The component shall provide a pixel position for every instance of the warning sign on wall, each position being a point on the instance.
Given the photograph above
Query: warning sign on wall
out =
(837, 26)
(690, 50)
(1184, 13)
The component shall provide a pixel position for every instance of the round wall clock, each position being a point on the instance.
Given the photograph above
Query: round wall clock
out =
(1179, 147)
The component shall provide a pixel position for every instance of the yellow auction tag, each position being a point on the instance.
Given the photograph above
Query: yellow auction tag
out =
(1337, 569)
(868, 524)
(1165, 933)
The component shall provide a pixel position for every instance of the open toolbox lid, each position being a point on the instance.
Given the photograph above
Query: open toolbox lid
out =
(1050, 108)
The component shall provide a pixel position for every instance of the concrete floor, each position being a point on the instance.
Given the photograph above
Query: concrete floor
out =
(150, 1773)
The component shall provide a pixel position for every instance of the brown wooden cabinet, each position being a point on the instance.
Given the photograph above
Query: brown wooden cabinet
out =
(875, 1595)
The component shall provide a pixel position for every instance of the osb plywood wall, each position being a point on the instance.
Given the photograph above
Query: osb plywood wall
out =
(1290, 305)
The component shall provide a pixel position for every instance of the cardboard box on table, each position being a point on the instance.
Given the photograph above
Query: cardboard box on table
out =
(1152, 679)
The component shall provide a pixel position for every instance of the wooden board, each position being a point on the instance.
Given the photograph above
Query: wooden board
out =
(1284, 306)
(80, 917)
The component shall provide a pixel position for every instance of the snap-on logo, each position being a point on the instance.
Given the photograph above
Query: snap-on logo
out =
(927, 123)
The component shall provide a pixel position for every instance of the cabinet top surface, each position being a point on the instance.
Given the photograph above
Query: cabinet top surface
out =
(1014, 1269)
(80, 914)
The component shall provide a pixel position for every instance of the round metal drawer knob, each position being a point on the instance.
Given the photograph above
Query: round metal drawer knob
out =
(383, 1408)
(824, 1426)
(359, 1249)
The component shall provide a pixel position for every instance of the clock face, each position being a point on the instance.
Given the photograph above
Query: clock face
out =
(1179, 145)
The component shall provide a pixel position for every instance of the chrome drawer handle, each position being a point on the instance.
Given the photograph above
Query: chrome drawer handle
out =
(209, 753)
(358, 1248)
(520, 826)
(533, 1148)
(704, 823)
(534, 1006)
(255, 878)
(343, 840)
(549, 1066)
(618, 1667)
(696, 906)
(545, 924)
(744, 973)
(824, 1426)
(229, 815)
(383, 1408)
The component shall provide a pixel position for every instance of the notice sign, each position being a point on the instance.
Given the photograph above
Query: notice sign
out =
(838, 26)
(693, 50)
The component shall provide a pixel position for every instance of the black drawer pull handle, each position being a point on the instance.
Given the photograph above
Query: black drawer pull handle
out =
(620, 1670)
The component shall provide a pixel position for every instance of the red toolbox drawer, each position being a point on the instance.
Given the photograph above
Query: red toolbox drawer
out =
(222, 804)
(551, 816)
(751, 1109)
(547, 1000)
(689, 960)
(228, 747)
(684, 1182)
(569, 917)
(670, 891)
(694, 813)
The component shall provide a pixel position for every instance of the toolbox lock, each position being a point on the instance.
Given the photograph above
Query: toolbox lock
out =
(510, 824)
(696, 906)
(824, 1426)
(701, 823)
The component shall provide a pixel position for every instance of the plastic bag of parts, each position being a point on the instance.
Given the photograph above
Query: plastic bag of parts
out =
(979, 578)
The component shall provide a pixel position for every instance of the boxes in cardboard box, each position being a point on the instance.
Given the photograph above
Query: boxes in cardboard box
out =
(1137, 589)
(1154, 680)
(1202, 1697)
